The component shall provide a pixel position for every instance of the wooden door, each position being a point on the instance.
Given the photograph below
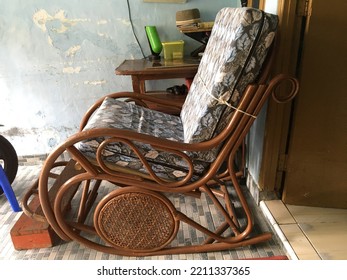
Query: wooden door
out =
(316, 171)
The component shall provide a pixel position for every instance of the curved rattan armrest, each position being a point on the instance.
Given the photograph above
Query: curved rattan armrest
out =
(156, 142)
(139, 99)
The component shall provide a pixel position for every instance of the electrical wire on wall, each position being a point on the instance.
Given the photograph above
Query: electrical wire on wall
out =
(132, 27)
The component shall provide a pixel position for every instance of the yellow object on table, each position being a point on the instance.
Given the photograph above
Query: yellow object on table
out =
(173, 49)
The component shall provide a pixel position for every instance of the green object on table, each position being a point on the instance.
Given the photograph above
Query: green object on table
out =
(154, 40)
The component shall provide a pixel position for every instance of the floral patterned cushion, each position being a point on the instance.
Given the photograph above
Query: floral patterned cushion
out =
(115, 113)
(232, 59)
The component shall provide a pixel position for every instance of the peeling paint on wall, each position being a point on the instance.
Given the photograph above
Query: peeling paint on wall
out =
(66, 35)
(94, 83)
(72, 51)
(41, 18)
(100, 22)
(71, 70)
(124, 22)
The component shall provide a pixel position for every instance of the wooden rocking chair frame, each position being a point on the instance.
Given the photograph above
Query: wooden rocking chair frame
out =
(117, 191)
(143, 197)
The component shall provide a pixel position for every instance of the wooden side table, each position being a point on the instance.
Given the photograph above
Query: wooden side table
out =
(142, 70)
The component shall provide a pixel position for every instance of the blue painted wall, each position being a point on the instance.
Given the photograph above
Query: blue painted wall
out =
(58, 57)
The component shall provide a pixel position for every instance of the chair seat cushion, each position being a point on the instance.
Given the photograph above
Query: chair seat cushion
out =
(115, 113)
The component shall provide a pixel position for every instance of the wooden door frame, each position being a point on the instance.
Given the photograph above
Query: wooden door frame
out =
(277, 125)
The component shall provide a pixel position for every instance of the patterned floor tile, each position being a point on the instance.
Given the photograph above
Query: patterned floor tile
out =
(27, 174)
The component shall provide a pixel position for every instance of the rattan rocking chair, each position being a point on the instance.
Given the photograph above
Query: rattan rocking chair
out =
(151, 159)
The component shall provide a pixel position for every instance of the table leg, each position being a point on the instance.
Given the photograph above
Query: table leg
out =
(138, 84)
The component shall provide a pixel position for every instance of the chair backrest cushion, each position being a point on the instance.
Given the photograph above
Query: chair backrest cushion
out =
(233, 57)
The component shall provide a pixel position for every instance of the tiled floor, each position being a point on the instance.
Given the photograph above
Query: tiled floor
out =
(302, 233)
(309, 233)
(72, 250)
